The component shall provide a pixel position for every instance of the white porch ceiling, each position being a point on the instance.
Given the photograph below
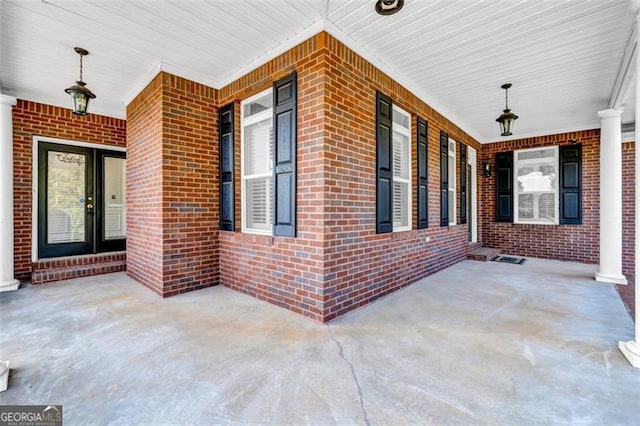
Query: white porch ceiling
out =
(562, 56)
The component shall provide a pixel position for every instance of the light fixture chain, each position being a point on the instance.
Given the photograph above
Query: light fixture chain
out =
(506, 96)
(80, 67)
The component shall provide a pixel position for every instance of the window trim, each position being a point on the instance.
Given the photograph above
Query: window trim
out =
(516, 209)
(244, 122)
(452, 181)
(405, 131)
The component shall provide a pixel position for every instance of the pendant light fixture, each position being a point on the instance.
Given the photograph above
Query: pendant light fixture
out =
(507, 118)
(80, 94)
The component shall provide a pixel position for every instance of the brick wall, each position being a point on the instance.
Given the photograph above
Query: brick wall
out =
(628, 209)
(628, 224)
(189, 186)
(172, 186)
(287, 272)
(144, 187)
(35, 119)
(360, 265)
(564, 242)
(337, 262)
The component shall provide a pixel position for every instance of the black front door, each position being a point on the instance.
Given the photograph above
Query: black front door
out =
(469, 205)
(81, 207)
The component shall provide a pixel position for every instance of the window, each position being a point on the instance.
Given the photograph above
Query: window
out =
(257, 163)
(401, 170)
(114, 195)
(536, 184)
(452, 182)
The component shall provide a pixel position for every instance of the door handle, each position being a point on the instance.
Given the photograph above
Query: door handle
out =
(89, 206)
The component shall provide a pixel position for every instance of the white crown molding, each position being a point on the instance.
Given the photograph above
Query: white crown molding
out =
(290, 43)
(625, 73)
(113, 111)
(396, 75)
(188, 74)
(138, 87)
(8, 100)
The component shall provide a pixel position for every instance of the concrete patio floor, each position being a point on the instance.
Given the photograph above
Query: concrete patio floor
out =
(476, 343)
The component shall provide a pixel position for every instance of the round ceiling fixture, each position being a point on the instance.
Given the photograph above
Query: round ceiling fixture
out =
(388, 7)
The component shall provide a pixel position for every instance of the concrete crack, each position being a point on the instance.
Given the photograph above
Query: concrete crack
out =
(353, 374)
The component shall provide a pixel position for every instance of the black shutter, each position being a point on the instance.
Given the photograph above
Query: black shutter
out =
(571, 184)
(384, 165)
(444, 179)
(504, 187)
(423, 175)
(227, 162)
(463, 183)
(284, 153)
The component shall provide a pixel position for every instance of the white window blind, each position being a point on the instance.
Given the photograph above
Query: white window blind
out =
(536, 183)
(115, 210)
(401, 170)
(257, 163)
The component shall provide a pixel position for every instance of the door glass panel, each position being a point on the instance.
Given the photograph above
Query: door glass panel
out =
(65, 197)
(115, 219)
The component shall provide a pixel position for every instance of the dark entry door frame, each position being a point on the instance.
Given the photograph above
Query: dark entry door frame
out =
(92, 242)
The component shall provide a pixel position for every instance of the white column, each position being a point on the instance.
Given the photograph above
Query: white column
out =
(7, 280)
(610, 197)
(631, 349)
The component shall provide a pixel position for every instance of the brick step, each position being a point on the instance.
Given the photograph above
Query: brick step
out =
(83, 266)
(483, 254)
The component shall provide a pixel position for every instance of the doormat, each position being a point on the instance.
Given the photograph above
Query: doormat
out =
(508, 259)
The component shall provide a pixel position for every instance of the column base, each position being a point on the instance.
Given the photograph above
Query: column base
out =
(631, 351)
(4, 375)
(610, 278)
(9, 285)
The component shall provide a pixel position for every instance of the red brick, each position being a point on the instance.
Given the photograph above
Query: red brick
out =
(35, 119)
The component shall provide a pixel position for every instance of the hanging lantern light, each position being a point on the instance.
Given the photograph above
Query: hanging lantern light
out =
(507, 118)
(80, 94)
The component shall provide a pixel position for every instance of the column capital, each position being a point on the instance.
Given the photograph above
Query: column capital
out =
(610, 113)
(7, 100)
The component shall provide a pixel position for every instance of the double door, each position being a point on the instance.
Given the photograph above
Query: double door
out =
(81, 200)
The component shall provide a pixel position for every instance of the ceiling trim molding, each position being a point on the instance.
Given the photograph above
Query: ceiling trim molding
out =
(95, 109)
(290, 43)
(345, 39)
(179, 71)
(625, 73)
(141, 84)
(544, 133)
(325, 10)
(187, 74)
(8, 100)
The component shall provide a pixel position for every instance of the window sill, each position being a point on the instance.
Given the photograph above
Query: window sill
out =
(530, 225)
(406, 234)
(266, 240)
